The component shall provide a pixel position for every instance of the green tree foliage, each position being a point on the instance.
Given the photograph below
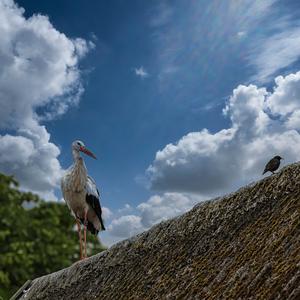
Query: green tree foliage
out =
(36, 237)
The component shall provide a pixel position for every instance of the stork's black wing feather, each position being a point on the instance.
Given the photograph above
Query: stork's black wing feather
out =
(95, 204)
(93, 199)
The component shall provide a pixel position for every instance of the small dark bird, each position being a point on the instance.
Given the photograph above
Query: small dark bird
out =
(273, 164)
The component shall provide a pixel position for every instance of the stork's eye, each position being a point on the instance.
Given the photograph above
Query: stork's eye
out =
(78, 144)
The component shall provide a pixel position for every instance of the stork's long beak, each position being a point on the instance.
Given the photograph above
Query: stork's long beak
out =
(88, 152)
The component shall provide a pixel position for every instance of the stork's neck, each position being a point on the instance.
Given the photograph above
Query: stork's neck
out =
(78, 161)
(76, 155)
(79, 172)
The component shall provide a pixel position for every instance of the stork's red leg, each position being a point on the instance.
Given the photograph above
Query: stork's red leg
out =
(85, 227)
(79, 235)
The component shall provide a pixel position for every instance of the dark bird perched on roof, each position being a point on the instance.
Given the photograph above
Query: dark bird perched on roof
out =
(82, 196)
(273, 164)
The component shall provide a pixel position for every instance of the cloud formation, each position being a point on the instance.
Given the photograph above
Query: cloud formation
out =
(156, 209)
(182, 39)
(263, 124)
(141, 72)
(163, 207)
(267, 36)
(278, 51)
(39, 79)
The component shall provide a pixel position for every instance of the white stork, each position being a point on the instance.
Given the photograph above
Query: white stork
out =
(82, 196)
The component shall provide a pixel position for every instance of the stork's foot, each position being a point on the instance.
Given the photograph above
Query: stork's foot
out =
(84, 256)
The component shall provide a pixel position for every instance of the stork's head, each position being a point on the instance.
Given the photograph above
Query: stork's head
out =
(79, 146)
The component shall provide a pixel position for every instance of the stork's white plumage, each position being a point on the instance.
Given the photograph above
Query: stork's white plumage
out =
(81, 195)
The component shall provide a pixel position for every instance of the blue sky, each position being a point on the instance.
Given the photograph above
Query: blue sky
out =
(152, 74)
(125, 119)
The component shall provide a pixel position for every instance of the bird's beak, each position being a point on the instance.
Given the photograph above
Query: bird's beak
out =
(88, 152)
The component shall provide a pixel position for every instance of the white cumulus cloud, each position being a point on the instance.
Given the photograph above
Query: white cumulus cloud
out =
(263, 124)
(285, 98)
(125, 226)
(156, 209)
(39, 79)
(163, 207)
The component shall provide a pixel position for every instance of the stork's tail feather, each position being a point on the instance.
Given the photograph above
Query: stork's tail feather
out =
(90, 227)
